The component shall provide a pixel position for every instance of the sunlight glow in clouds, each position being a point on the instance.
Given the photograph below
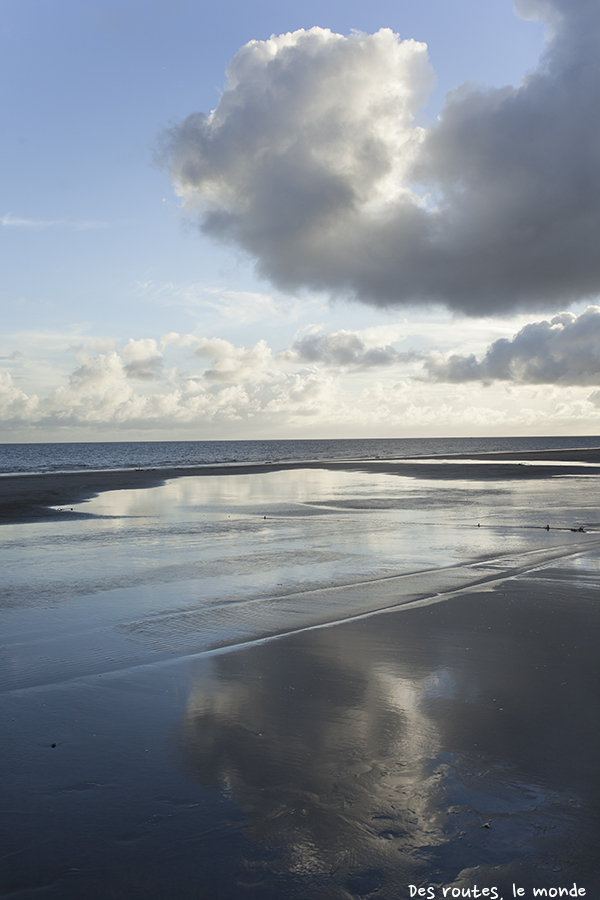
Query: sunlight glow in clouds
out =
(312, 162)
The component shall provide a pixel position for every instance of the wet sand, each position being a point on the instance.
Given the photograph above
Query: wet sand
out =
(453, 744)
(384, 683)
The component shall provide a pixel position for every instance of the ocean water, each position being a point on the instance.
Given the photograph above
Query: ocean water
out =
(64, 457)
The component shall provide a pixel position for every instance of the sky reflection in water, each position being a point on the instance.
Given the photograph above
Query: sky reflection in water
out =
(343, 762)
(440, 745)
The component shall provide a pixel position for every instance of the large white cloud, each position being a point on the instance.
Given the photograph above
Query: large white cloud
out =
(564, 350)
(312, 162)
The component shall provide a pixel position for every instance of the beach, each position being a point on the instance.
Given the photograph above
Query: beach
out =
(305, 679)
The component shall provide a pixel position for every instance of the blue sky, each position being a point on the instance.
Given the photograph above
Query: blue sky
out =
(129, 314)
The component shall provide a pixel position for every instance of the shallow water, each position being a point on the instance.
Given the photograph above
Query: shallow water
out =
(346, 761)
(201, 563)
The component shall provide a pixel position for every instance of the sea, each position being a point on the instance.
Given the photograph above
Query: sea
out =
(78, 456)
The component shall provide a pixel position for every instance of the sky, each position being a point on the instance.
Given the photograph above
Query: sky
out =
(316, 219)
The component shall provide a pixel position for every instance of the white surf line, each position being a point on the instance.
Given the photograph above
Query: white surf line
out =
(431, 600)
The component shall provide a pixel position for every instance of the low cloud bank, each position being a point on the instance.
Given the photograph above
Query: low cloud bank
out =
(133, 387)
(312, 163)
(325, 377)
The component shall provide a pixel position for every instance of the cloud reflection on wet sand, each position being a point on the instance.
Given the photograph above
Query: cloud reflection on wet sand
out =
(441, 745)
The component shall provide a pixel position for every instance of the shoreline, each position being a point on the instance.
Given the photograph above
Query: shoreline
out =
(28, 497)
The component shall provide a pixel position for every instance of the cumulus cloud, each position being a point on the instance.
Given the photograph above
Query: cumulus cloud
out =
(312, 162)
(15, 403)
(97, 391)
(229, 363)
(564, 350)
(142, 358)
(130, 388)
(234, 364)
(344, 350)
